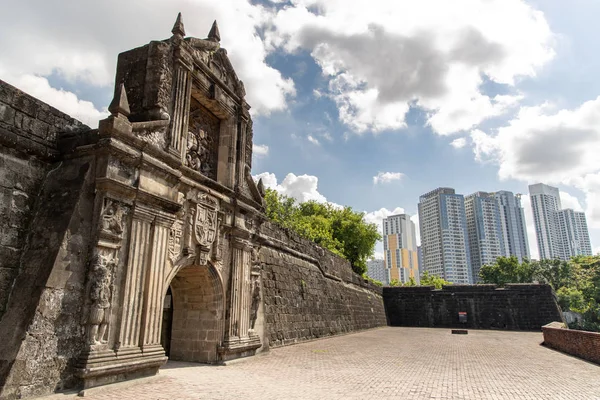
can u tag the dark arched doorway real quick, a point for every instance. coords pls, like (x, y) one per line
(195, 315)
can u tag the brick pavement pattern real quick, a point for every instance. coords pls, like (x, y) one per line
(384, 363)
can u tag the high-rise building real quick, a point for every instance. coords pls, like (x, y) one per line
(484, 228)
(400, 248)
(376, 270)
(444, 239)
(560, 233)
(575, 239)
(545, 203)
(514, 230)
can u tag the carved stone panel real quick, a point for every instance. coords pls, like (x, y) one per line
(202, 140)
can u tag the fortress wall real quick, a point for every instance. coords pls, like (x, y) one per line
(515, 307)
(311, 293)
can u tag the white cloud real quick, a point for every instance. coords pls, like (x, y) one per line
(67, 102)
(387, 177)
(376, 217)
(260, 150)
(552, 146)
(302, 188)
(569, 201)
(459, 143)
(381, 57)
(76, 45)
(313, 140)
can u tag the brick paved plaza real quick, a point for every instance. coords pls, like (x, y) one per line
(386, 363)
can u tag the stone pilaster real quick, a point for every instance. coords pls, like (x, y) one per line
(238, 341)
(181, 105)
(139, 245)
(155, 282)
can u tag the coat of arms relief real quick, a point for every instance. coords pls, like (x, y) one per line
(194, 236)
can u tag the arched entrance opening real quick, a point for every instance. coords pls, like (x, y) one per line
(196, 315)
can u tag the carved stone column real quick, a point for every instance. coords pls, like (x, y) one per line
(154, 289)
(182, 87)
(240, 340)
(139, 245)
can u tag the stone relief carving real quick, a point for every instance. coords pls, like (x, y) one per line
(255, 303)
(100, 296)
(255, 268)
(112, 218)
(205, 225)
(202, 140)
(175, 240)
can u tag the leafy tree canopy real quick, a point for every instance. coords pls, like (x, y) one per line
(340, 230)
(576, 282)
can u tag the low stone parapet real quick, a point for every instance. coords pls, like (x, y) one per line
(581, 344)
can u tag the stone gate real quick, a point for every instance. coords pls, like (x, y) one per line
(148, 233)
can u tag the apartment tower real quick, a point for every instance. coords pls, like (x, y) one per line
(484, 228)
(514, 229)
(444, 240)
(400, 248)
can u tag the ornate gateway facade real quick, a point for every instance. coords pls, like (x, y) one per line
(177, 215)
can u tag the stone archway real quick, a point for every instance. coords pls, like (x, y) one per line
(197, 314)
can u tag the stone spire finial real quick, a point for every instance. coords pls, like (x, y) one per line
(214, 34)
(119, 105)
(261, 187)
(178, 28)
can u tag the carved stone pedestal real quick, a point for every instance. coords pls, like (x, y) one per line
(101, 367)
(232, 349)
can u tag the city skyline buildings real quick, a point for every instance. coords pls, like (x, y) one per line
(496, 226)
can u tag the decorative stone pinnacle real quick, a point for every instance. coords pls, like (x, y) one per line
(119, 105)
(178, 28)
(214, 34)
(261, 187)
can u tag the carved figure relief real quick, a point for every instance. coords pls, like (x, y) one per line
(202, 140)
(100, 296)
(255, 303)
(255, 268)
(112, 218)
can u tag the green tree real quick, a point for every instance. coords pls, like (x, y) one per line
(508, 270)
(433, 280)
(342, 231)
(557, 273)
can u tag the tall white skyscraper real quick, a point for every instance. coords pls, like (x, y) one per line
(400, 248)
(545, 203)
(444, 241)
(484, 227)
(560, 233)
(575, 239)
(514, 230)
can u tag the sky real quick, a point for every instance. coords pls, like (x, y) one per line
(363, 103)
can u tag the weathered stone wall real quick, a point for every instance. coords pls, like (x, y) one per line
(581, 344)
(514, 307)
(42, 246)
(311, 293)
(28, 130)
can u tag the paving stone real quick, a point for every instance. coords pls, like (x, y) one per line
(384, 363)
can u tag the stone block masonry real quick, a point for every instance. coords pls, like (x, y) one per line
(514, 307)
(311, 293)
(581, 344)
